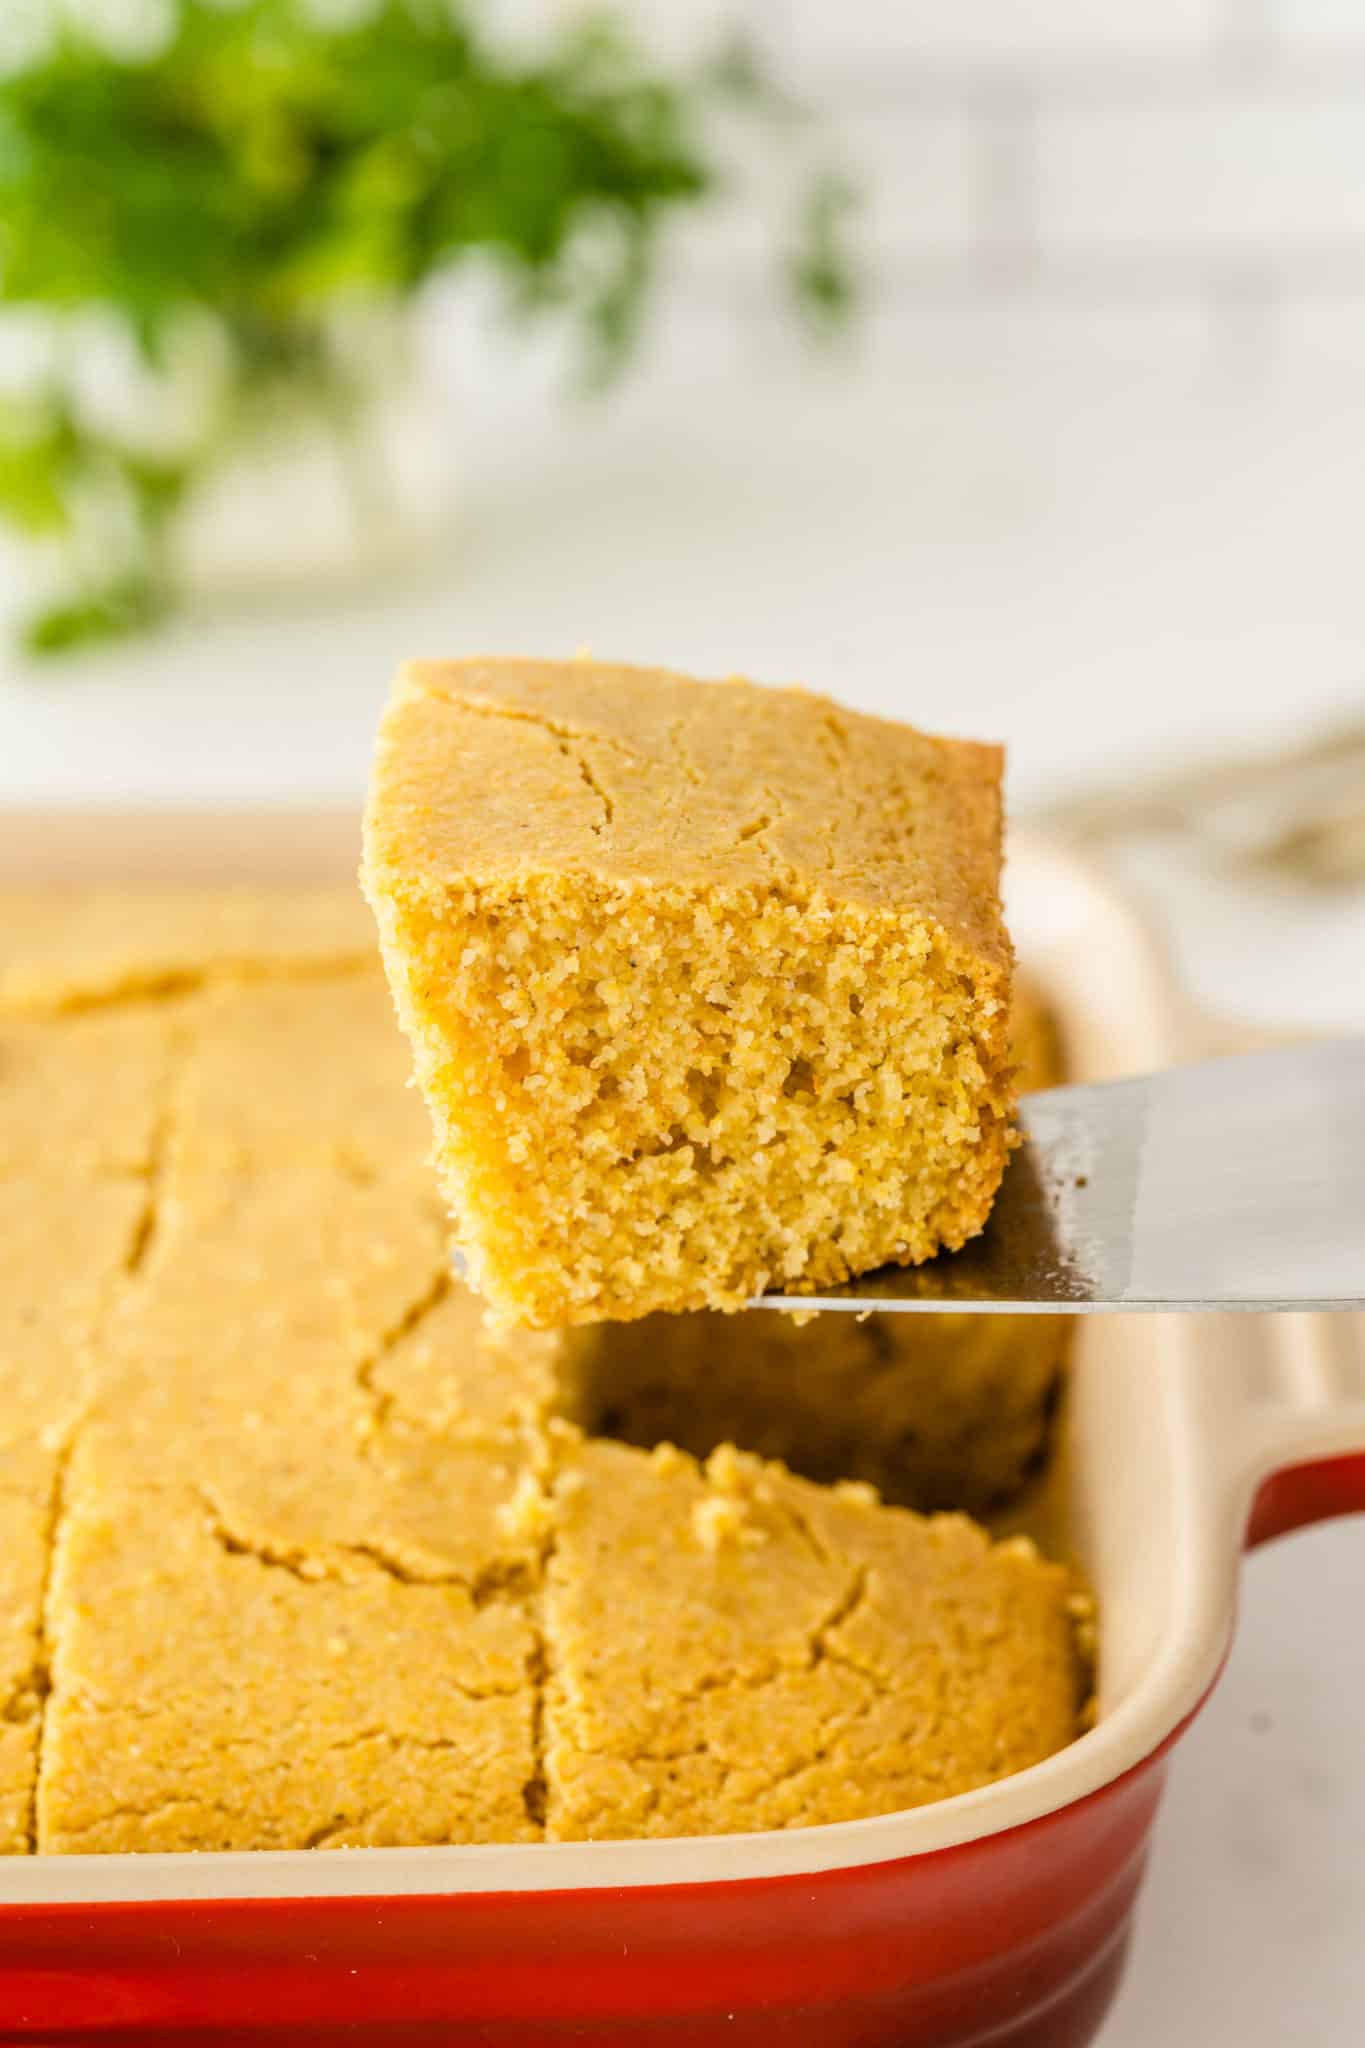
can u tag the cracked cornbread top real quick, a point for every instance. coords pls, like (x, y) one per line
(707, 985)
(293, 1552)
(496, 767)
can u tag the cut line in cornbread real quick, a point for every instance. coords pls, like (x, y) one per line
(707, 985)
(81, 948)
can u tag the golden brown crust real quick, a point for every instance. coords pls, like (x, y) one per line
(732, 1648)
(74, 948)
(212, 1692)
(499, 768)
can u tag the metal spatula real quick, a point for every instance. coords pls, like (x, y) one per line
(1231, 1184)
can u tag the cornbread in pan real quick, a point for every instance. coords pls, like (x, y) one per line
(209, 1692)
(934, 1410)
(707, 985)
(24, 1548)
(66, 948)
(286, 1599)
(731, 1648)
(1035, 1042)
(697, 1651)
(295, 1551)
(79, 1099)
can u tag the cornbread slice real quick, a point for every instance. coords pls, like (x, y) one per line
(707, 985)
(208, 1696)
(292, 1335)
(733, 1649)
(290, 1599)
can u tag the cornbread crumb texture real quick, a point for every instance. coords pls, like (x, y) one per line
(276, 1507)
(707, 985)
(735, 1648)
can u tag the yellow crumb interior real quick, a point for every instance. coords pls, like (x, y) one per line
(650, 1099)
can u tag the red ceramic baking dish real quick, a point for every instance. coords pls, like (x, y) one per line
(999, 1918)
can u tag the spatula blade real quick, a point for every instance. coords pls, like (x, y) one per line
(1233, 1184)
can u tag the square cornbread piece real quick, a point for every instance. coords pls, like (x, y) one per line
(707, 985)
(730, 1648)
(208, 1693)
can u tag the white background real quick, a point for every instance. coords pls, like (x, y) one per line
(1093, 481)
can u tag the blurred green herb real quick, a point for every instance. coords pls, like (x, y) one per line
(268, 165)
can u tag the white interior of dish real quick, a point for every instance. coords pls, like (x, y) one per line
(1171, 1423)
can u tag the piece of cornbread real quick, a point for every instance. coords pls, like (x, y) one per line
(707, 985)
(730, 1648)
(209, 1693)
(81, 1100)
(290, 1576)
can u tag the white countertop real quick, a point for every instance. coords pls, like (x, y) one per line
(1106, 563)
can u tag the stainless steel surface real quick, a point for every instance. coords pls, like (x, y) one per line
(1228, 1184)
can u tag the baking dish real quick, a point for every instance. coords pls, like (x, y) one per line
(1000, 1917)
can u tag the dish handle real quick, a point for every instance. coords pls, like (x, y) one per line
(1314, 1469)
(1296, 1495)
